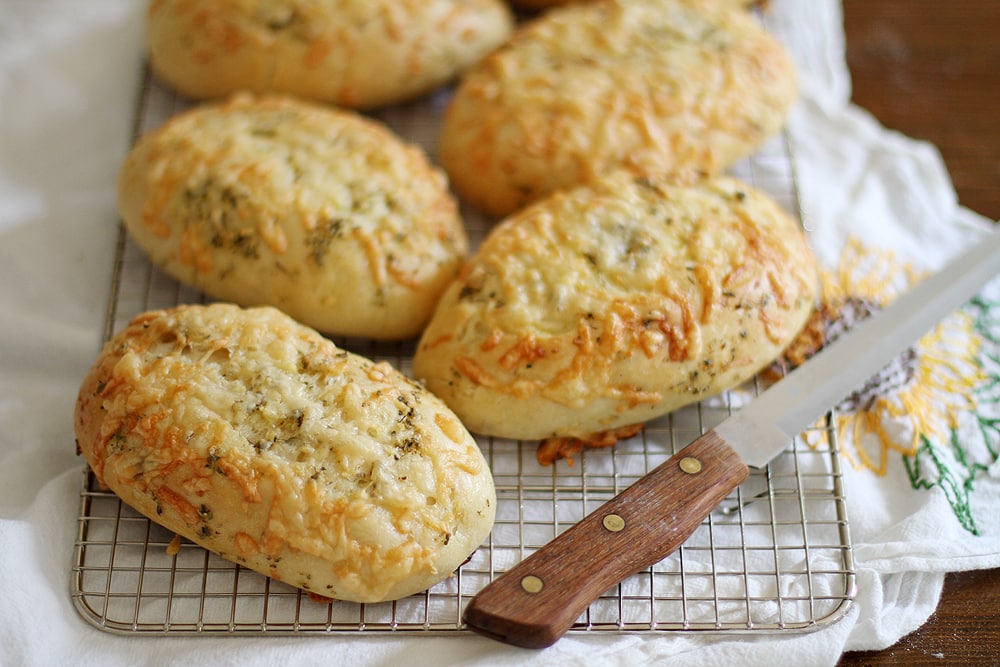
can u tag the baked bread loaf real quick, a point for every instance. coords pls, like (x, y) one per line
(260, 440)
(654, 86)
(540, 4)
(612, 303)
(544, 4)
(319, 212)
(351, 54)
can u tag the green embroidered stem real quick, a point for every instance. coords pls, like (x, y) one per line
(956, 491)
(987, 325)
(987, 320)
(955, 475)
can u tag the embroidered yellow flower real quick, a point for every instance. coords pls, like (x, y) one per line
(921, 393)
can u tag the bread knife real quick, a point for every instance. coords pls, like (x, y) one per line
(537, 601)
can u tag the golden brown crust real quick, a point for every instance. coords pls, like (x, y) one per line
(322, 213)
(655, 86)
(352, 54)
(262, 441)
(551, 450)
(613, 303)
(545, 4)
(541, 4)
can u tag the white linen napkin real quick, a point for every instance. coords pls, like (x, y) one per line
(69, 73)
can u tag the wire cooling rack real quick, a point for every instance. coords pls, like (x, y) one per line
(775, 556)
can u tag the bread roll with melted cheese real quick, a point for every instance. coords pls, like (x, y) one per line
(359, 54)
(544, 4)
(260, 440)
(654, 86)
(610, 304)
(322, 213)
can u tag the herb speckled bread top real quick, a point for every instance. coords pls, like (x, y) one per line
(259, 439)
(322, 213)
(655, 86)
(613, 303)
(543, 4)
(352, 53)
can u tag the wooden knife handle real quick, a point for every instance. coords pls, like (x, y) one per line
(536, 602)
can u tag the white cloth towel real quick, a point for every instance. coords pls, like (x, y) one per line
(69, 75)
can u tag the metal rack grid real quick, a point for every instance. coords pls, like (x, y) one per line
(775, 556)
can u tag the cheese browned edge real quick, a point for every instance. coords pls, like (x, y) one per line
(323, 213)
(357, 55)
(610, 304)
(653, 86)
(262, 441)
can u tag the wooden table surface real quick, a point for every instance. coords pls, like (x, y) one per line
(931, 70)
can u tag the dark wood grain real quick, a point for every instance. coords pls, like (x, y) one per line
(931, 70)
(652, 518)
(963, 631)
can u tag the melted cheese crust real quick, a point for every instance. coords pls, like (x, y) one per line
(614, 303)
(351, 53)
(262, 441)
(655, 86)
(321, 213)
(543, 4)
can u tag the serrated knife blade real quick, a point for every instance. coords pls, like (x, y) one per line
(537, 601)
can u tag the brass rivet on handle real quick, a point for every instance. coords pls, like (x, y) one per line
(690, 465)
(614, 523)
(532, 584)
